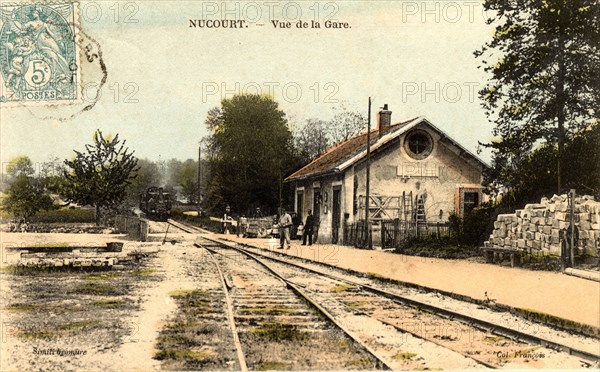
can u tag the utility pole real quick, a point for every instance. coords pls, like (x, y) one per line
(199, 178)
(572, 228)
(367, 232)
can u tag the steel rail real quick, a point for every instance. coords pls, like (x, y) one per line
(230, 316)
(481, 324)
(415, 334)
(296, 289)
(471, 321)
(187, 228)
(484, 363)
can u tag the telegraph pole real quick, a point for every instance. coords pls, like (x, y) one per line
(199, 177)
(369, 240)
(571, 198)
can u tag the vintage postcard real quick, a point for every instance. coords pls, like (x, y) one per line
(299, 185)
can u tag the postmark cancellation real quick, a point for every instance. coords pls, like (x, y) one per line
(39, 54)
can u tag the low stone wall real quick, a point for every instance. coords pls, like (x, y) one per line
(538, 228)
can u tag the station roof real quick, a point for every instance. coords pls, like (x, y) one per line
(349, 152)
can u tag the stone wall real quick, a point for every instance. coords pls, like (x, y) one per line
(136, 228)
(537, 227)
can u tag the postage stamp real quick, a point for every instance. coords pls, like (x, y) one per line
(39, 54)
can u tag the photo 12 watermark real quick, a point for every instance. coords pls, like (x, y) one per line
(290, 91)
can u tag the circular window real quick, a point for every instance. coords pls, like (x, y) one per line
(418, 144)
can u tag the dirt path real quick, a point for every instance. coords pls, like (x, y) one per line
(136, 354)
(136, 351)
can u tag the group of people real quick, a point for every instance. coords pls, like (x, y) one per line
(285, 225)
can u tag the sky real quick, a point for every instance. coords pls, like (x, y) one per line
(162, 76)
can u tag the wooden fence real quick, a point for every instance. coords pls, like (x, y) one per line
(392, 233)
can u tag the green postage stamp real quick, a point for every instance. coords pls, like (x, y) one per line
(39, 55)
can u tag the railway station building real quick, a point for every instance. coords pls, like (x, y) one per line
(417, 174)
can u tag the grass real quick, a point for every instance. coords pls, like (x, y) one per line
(273, 310)
(182, 354)
(72, 215)
(551, 319)
(94, 278)
(186, 292)
(403, 355)
(343, 344)
(270, 365)
(342, 288)
(98, 289)
(360, 364)
(109, 303)
(36, 335)
(22, 307)
(278, 332)
(79, 324)
(493, 339)
(357, 304)
(376, 276)
(183, 325)
(142, 273)
(191, 298)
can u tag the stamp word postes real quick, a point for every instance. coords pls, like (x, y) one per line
(39, 55)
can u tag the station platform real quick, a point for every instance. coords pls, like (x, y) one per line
(564, 296)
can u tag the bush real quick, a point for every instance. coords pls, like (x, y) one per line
(70, 215)
(475, 226)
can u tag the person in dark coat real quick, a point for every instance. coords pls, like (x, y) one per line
(308, 228)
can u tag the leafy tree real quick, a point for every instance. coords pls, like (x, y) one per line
(147, 174)
(187, 179)
(20, 165)
(582, 155)
(100, 175)
(249, 151)
(533, 176)
(26, 195)
(52, 175)
(544, 62)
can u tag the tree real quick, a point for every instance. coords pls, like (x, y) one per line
(346, 124)
(99, 176)
(20, 165)
(544, 87)
(313, 139)
(187, 180)
(250, 151)
(147, 174)
(533, 176)
(26, 194)
(316, 135)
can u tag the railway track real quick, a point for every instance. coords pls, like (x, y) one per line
(392, 309)
(266, 305)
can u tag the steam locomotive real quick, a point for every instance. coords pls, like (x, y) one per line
(155, 203)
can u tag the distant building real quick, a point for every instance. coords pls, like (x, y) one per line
(417, 172)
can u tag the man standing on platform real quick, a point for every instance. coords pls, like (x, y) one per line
(308, 228)
(285, 222)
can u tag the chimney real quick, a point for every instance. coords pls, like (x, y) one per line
(384, 120)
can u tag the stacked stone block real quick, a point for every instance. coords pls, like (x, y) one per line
(537, 227)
